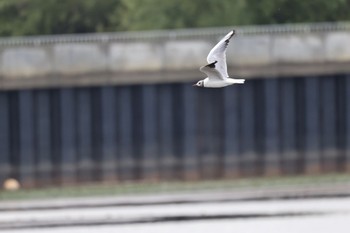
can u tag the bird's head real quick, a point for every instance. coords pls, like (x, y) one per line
(199, 84)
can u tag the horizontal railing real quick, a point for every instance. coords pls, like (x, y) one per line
(173, 34)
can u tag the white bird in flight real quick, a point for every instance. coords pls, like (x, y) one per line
(216, 70)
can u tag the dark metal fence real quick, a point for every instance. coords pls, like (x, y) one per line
(174, 131)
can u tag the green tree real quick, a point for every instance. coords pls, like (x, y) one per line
(32, 17)
(296, 11)
(29, 17)
(160, 14)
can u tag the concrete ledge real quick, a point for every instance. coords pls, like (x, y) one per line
(147, 77)
(239, 195)
(173, 56)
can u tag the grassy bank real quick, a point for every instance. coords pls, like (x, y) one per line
(141, 188)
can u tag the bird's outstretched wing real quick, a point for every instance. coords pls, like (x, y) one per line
(218, 53)
(211, 71)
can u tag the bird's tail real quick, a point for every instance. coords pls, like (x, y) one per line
(239, 81)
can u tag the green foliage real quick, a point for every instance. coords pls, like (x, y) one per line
(296, 11)
(32, 17)
(160, 14)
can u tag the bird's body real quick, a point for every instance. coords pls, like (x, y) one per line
(216, 70)
(221, 83)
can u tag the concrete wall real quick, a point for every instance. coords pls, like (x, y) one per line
(171, 56)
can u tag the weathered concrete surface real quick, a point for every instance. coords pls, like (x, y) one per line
(337, 47)
(135, 57)
(64, 219)
(252, 50)
(23, 62)
(298, 49)
(170, 56)
(72, 59)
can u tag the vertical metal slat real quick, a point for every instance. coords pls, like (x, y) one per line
(26, 145)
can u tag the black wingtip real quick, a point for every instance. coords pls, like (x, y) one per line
(212, 65)
(228, 39)
(233, 32)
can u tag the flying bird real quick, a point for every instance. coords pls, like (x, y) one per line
(216, 70)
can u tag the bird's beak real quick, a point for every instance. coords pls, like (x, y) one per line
(194, 85)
